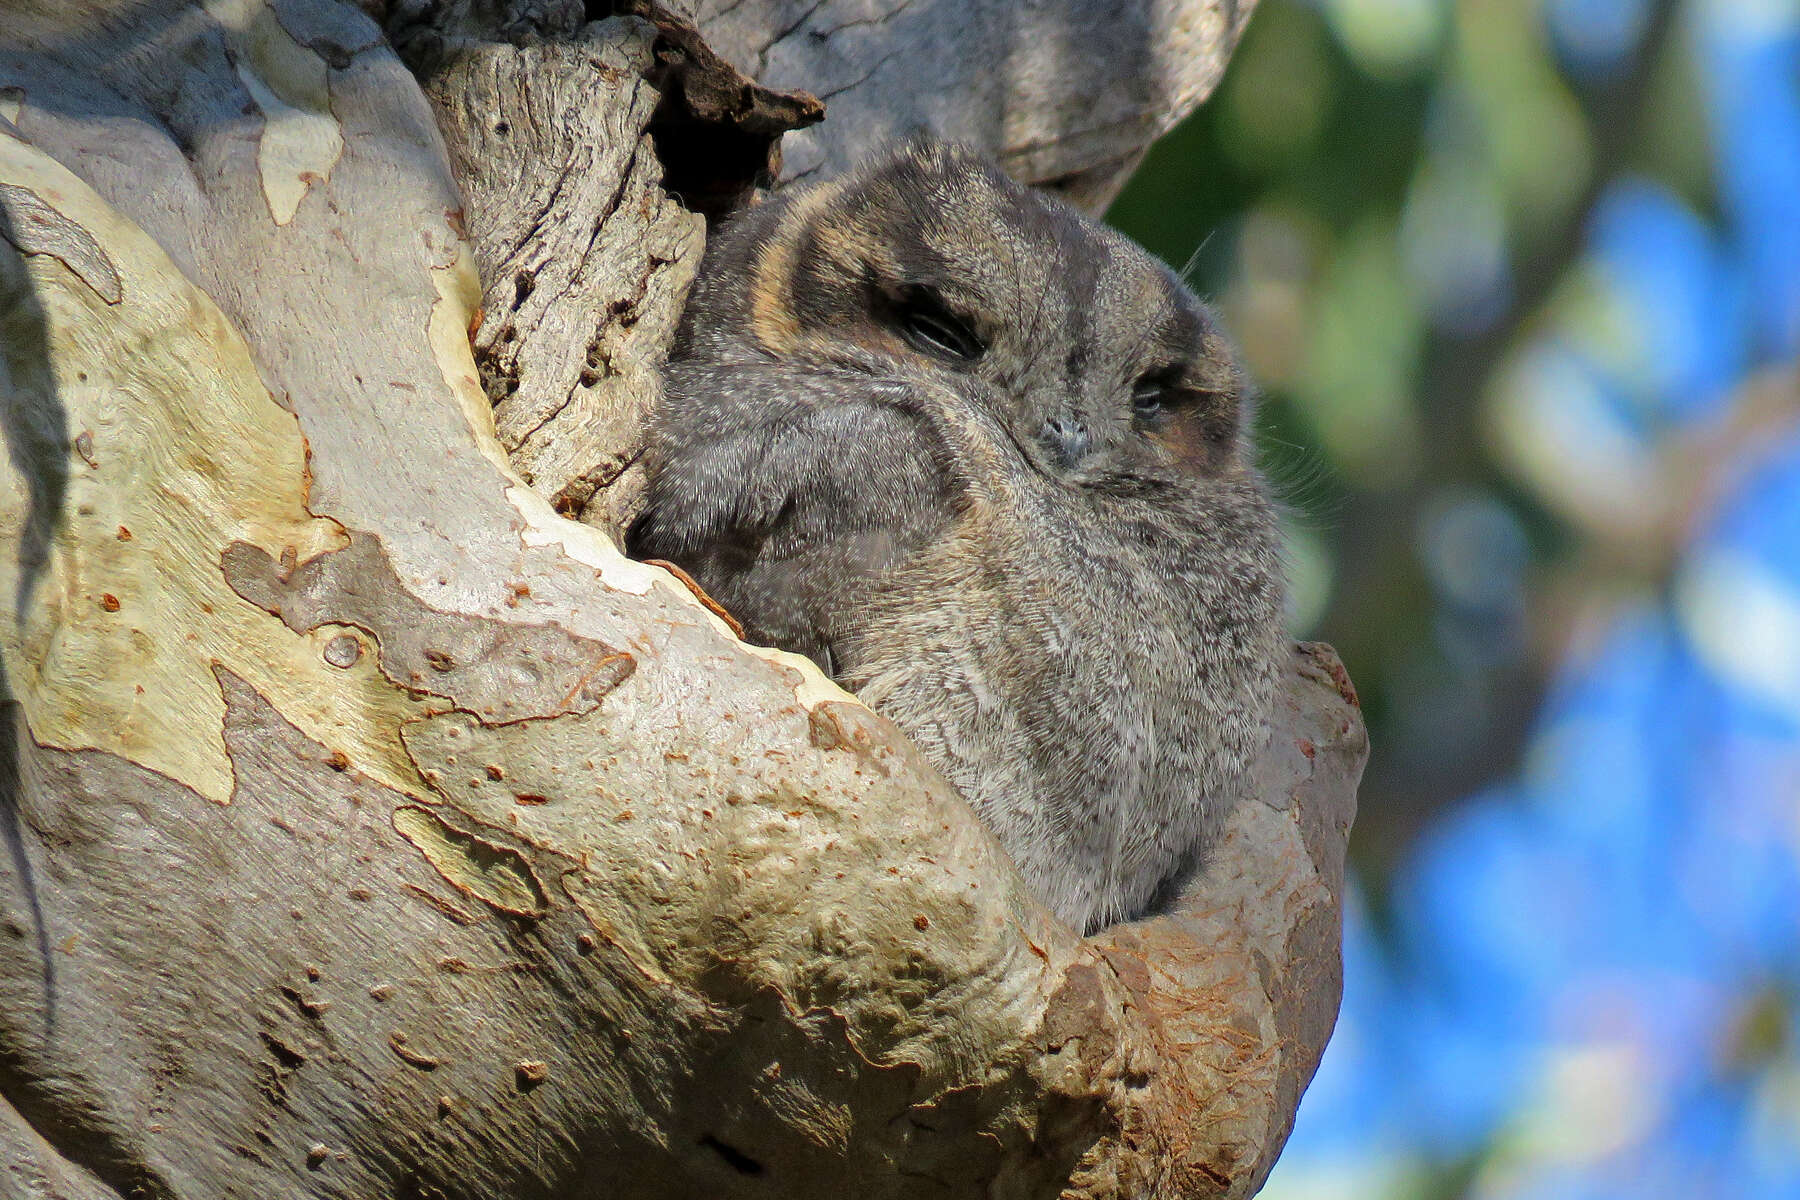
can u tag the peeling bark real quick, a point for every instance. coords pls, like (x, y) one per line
(374, 830)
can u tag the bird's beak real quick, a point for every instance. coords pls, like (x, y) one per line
(1067, 439)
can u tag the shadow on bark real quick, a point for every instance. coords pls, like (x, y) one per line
(36, 429)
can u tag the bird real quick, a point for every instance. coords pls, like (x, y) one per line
(989, 464)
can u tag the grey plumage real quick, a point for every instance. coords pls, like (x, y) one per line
(985, 460)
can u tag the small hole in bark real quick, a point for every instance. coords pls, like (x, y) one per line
(736, 1159)
(502, 128)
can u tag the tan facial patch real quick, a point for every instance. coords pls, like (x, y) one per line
(772, 316)
(1201, 436)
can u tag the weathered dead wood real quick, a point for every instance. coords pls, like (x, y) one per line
(585, 258)
(378, 832)
(567, 152)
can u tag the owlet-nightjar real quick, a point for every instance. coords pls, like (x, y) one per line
(985, 461)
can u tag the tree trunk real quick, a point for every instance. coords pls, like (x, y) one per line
(374, 830)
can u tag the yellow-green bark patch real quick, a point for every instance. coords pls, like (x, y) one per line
(143, 443)
(497, 874)
(300, 140)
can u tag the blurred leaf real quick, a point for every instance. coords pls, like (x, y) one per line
(1388, 38)
(1520, 114)
(1356, 387)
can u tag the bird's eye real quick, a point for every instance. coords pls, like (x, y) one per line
(1151, 399)
(931, 328)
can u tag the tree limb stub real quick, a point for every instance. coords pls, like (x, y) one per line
(391, 834)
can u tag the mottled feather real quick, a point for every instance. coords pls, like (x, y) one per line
(985, 461)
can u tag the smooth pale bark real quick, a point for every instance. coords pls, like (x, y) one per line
(1066, 94)
(373, 830)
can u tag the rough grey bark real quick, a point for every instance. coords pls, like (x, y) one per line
(585, 254)
(371, 830)
(585, 258)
